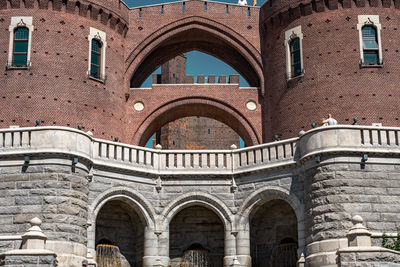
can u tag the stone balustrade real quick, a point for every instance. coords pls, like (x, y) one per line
(330, 139)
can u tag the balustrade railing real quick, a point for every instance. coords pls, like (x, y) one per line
(192, 162)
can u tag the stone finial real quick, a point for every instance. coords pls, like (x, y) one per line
(233, 146)
(235, 263)
(359, 236)
(302, 261)
(158, 147)
(34, 238)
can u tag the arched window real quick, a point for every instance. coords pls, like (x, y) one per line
(295, 57)
(95, 59)
(20, 48)
(370, 45)
(294, 53)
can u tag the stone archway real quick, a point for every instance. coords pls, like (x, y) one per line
(196, 231)
(119, 226)
(273, 235)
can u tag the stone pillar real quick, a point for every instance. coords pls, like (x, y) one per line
(91, 245)
(33, 252)
(243, 247)
(229, 247)
(155, 248)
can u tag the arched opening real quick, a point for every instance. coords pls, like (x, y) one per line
(196, 237)
(200, 38)
(195, 133)
(119, 235)
(273, 235)
(182, 108)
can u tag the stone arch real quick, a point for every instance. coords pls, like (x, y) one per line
(134, 198)
(200, 199)
(267, 193)
(203, 107)
(200, 34)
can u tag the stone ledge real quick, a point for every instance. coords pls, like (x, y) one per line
(28, 252)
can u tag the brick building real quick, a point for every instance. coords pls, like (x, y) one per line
(74, 156)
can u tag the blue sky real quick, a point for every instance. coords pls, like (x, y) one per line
(136, 3)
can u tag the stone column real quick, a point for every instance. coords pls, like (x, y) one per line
(155, 248)
(229, 247)
(91, 244)
(243, 247)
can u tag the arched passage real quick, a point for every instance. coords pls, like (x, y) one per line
(196, 107)
(195, 33)
(275, 219)
(120, 217)
(198, 220)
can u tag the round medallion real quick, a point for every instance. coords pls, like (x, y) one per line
(139, 106)
(251, 105)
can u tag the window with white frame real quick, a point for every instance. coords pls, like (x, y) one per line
(294, 52)
(19, 52)
(369, 30)
(97, 54)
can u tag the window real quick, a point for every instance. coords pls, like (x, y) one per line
(20, 49)
(20, 42)
(295, 57)
(370, 45)
(95, 59)
(294, 51)
(97, 55)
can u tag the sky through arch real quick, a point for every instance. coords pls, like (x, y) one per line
(137, 3)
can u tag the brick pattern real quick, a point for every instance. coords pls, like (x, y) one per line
(56, 89)
(333, 81)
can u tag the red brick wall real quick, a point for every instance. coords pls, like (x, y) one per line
(56, 89)
(333, 81)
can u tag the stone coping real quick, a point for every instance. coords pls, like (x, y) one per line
(366, 249)
(28, 252)
(10, 237)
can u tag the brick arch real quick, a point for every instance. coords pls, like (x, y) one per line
(196, 107)
(195, 33)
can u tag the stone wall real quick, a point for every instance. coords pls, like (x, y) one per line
(55, 192)
(28, 260)
(372, 257)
